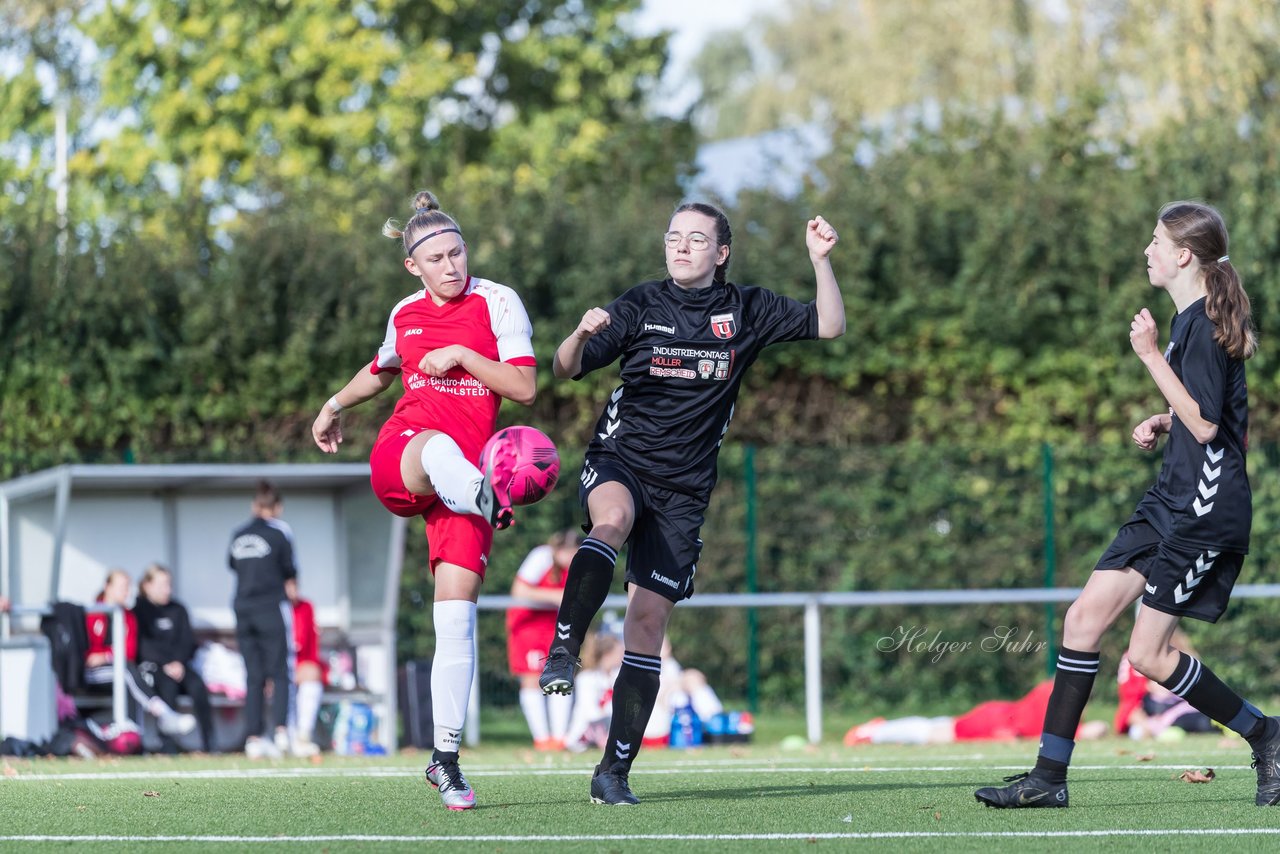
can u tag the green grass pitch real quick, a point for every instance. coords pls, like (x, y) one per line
(1124, 795)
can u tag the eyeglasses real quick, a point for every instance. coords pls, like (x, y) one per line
(698, 241)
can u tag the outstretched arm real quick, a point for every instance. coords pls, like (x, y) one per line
(821, 238)
(365, 385)
(568, 360)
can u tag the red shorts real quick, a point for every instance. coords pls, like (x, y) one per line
(528, 642)
(459, 538)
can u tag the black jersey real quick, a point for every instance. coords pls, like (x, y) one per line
(164, 632)
(1202, 496)
(684, 353)
(261, 554)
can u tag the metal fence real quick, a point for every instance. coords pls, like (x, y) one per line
(811, 605)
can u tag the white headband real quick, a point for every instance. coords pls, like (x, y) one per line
(1224, 259)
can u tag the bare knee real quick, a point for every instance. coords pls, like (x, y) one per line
(1083, 627)
(1154, 661)
(613, 524)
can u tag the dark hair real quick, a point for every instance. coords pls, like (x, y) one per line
(1201, 229)
(724, 235)
(569, 537)
(427, 216)
(266, 494)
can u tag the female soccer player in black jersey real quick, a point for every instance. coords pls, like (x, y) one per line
(684, 344)
(1183, 547)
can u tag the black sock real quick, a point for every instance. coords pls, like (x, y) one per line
(634, 693)
(1072, 685)
(1200, 687)
(585, 588)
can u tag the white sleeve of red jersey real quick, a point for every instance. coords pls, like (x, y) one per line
(510, 324)
(536, 565)
(388, 359)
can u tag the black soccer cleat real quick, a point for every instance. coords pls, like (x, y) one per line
(1028, 790)
(610, 787)
(558, 672)
(1266, 759)
(494, 497)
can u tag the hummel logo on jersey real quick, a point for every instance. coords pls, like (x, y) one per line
(622, 751)
(662, 579)
(1168, 350)
(658, 327)
(723, 325)
(562, 631)
(409, 332)
(1151, 588)
(1206, 487)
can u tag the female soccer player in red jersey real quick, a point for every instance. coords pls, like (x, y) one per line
(459, 345)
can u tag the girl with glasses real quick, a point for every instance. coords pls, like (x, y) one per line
(683, 344)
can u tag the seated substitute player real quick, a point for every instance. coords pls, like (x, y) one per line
(460, 345)
(685, 344)
(1147, 709)
(540, 578)
(166, 647)
(1182, 549)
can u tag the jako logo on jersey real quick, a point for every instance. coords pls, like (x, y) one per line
(662, 579)
(409, 332)
(722, 325)
(658, 327)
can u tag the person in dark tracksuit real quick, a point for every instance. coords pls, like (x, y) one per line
(166, 646)
(261, 555)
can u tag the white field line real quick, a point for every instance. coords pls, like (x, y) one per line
(380, 772)
(659, 837)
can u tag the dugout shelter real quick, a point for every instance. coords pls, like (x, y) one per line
(63, 528)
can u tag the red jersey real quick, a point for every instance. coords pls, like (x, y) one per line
(537, 570)
(306, 637)
(486, 317)
(99, 630)
(1001, 719)
(1133, 687)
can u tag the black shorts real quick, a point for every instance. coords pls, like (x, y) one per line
(1185, 581)
(664, 543)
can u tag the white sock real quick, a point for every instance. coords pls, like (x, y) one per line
(452, 669)
(705, 703)
(559, 710)
(159, 708)
(309, 694)
(452, 475)
(534, 705)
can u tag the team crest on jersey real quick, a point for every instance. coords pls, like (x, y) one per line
(723, 325)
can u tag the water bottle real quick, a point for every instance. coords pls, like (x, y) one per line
(686, 728)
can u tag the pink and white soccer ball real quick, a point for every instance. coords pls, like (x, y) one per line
(537, 463)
